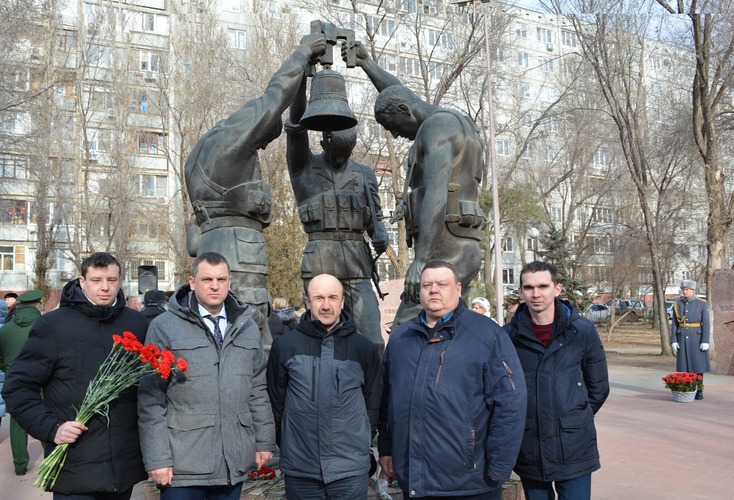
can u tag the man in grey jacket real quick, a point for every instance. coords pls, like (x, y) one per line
(203, 431)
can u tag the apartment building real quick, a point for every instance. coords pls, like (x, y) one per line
(108, 136)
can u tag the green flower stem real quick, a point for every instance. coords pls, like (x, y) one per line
(119, 371)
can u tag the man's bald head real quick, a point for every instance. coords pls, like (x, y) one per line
(325, 300)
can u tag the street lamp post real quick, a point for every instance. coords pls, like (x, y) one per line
(534, 235)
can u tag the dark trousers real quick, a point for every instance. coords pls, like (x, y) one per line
(125, 495)
(349, 488)
(19, 446)
(578, 488)
(202, 492)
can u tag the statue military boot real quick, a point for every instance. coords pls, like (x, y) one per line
(699, 394)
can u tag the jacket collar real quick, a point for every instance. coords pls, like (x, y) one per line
(73, 296)
(314, 328)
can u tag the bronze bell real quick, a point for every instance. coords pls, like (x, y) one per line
(328, 109)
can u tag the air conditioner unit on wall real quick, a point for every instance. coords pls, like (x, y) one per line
(65, 275)
(111, 113)
(150, 76)
(550, 47)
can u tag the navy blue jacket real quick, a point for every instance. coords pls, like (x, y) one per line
(453, 407)
(567, 384)
(325, 389)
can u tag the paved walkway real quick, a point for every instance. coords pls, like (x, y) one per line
(651, 448)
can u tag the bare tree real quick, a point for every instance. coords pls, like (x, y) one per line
(712, 39)
(615, 44)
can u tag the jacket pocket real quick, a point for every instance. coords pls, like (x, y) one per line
(578, 437)
(245, 443)
(192, 439)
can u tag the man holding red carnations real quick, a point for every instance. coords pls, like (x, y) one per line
(202, 432)
(49, 378)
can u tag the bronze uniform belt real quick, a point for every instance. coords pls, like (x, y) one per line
(335, 236)
(690, 325)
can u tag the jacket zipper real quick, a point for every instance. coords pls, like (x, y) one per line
(313, 380)
(440, 365)
(509, 374)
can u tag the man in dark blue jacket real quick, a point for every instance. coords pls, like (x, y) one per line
(454, 402)
(566, 372)
(325, 386)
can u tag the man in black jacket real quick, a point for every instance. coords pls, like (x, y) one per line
(325, 385)
(566, 372)
(47, 381)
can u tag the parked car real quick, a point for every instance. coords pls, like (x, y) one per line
(669, 309)
(639, 309)
(598, 313)
(621, 306)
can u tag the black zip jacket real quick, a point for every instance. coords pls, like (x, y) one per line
(325, 390)
(48, 380)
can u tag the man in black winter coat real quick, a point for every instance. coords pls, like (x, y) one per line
(47, 381)
(566, 373)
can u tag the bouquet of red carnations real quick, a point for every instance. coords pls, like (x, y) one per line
(127, 363)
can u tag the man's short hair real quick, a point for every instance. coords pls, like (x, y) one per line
(437, 264)
(538, 267)
(99, 259)
(211, 258)
(393, 96)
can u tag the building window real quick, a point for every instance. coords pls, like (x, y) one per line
(603, 245)
(410, 66)
(389, 62)
(521, 30)
(152, 143)
(569, 38)
(231, 5)
(503, 147)
(602, 215)
(546, 64)
(544, 35)
(13, 166)
(547, 94)
(409, 5)
(507, 244)
(148, 22)
(13, 212)
(523, 59)
(66, 41)
(237, 39)
(11, 258)
(149, 61)
(151, 185)
(508, 276)
(445, 40)
(98, 56)
(524, 89)
(139, 102)
(601, 159)
(429, 7)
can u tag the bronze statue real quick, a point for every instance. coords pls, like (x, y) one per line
(338, 202)
(442, 213)
(230, 200)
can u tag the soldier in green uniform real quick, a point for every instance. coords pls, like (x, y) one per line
(12, 337)
(689, 337)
